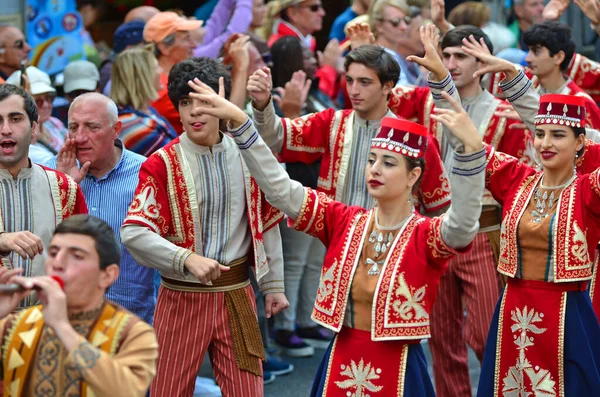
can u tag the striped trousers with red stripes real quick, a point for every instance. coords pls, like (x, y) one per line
(471, 282)
(188, 324)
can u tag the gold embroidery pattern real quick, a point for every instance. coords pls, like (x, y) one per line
(437, 245)
(331, 311)
(326, 283)
(541, 380)
(360, 380)
(569, 240)
(148, 202)
(411, 307)
(383, 328)
(295, 134)
(507, 263)
(326, 183)
(579, 248)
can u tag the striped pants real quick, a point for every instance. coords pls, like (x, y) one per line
(188, 324)
(472, 282)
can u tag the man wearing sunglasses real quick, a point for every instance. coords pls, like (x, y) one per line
(302, 18)
(13, 49)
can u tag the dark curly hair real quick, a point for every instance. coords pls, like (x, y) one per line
(555, 36)
(207, 70)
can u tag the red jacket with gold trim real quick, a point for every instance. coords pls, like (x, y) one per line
(576, 230)
(416, 104)
(162, 203)
(71, 197)
(328, 135)
(407, 286)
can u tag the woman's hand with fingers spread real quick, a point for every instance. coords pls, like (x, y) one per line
(460, 124)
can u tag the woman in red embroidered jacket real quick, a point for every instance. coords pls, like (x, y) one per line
(383, 265)
(543, 339)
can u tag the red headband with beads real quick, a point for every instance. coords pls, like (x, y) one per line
(401, 136)
(568, 110)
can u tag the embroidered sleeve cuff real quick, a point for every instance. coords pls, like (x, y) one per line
(245, 135)
(515, 88)
(179, 261)
(263, 116)
(271, 287)
(438, 87)
(84, 357)
(470, 164)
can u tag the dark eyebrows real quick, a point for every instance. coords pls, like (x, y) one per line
(553, 130)
(72, 249)
(389, 157)
(16, 113)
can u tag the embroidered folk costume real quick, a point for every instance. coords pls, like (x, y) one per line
(377, 284)
(115, 355)
(340, 139)
(543, 337)
(37, 200)
(471, 282)
(195, 199)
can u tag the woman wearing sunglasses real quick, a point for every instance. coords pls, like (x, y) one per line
(389, 21)
(382, 265)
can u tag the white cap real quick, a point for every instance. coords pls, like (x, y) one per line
(38, 81)
(80, 75)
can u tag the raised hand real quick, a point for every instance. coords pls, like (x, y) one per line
(275, 303)
(431, 60)
(591, 9)
(205, 269)
(493, 64)
(331, 55)
(554, 9)
(9, 302)
(438, 15)
(66, 161)
(360, 34)
(25, 244)
(238, 52)
(460, 124)
(215, 104)
(259, 87)
(507, 111)
(294, 95)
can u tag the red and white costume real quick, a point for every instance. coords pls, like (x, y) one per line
(379, 309)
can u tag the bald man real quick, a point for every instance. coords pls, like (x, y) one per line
(13, 49)
(108, 178)
(141, 13)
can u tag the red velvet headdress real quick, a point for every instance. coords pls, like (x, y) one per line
(401, 136)
(568, 110)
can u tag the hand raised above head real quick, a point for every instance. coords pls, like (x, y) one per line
(259, 87)
(460, 124)
(431, 60)
(360, 34)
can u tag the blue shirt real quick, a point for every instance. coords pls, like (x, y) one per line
(337, 29)
(108, 198)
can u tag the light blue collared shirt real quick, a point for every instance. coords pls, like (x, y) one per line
(108, 198)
